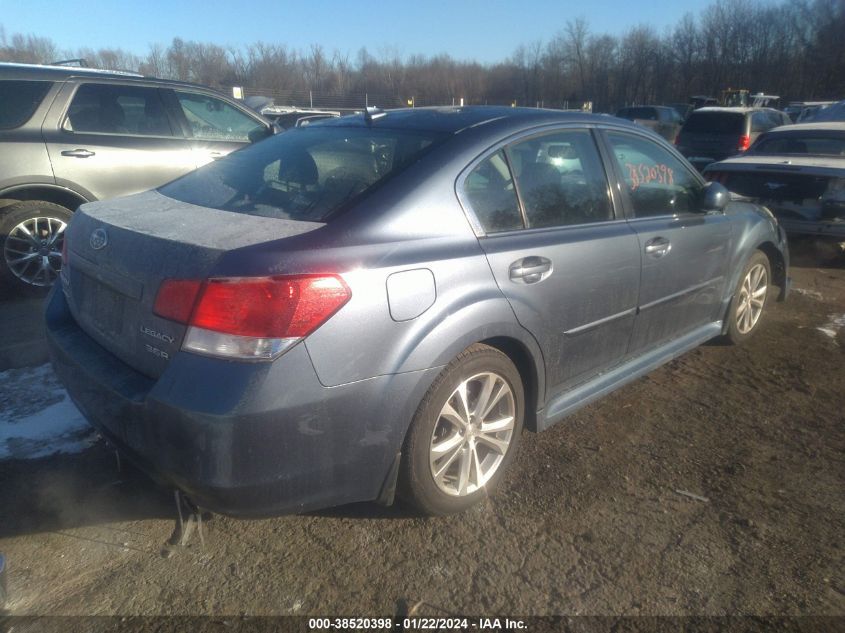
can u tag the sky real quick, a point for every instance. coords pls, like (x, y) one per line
(484, 30)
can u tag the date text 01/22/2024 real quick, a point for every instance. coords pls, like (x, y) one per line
(421, 623)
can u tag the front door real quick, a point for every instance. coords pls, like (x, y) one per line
(684, 250)
(216, 127)
(568, 266)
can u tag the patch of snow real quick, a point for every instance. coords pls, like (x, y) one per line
(37, 418)
(835, 323)
(813, 294)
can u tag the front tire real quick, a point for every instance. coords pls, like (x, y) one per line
(31, 238)
(750, 298)
(465, 433)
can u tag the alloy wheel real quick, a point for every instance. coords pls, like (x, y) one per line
(472, 434)
(752, 298)
(33, 250)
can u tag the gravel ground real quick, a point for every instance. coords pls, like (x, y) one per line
(715, 485)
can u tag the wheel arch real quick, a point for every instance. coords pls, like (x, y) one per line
(529, 370)
(48, 193)
(777, 263)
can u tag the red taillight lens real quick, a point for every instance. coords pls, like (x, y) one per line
(260, 307)
(176, 298)
(744, 142)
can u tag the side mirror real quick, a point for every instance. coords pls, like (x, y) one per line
(260, 133)
(716, 197)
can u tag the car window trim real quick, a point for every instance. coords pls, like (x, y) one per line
(76, 85)
(626, 198)
(518, 137)
(186, 126)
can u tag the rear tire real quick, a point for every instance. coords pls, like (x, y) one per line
(31, 238)
(750, 298)
(464, 435)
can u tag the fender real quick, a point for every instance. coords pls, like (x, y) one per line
(755, 229)
(57, 191)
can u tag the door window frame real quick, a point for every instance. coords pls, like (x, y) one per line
(545, 130)
(172, 100)
(77, 84)
(627, 204)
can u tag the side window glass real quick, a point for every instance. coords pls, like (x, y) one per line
(490, 191)
(114, 109)
(657, 182)
(215, 120)
(561, 180)
(19, 100)
(760, 122)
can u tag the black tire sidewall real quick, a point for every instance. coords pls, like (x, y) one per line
(734, 335)
(10, 217)
(416, 484)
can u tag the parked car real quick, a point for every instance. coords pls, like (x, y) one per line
(662, 119)
(683, 110)
(287, 117)
(74, 135)
(713, 134)
(830, 112)
(797, 171)
(386, 300)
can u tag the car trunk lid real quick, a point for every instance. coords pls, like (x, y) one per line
(803, 188)
(120, 251)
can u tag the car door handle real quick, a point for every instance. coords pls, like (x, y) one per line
(530, 270)
(658, 247)
(78, 153)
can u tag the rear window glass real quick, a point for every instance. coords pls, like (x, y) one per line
(715, 123)
(791, 144)
(18, 101)
(645, 114)
(304, 174)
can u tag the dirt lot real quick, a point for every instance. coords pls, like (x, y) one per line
(593, 519)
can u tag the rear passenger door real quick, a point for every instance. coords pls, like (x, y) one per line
(567, 264)
(113, 139)
(684, 251)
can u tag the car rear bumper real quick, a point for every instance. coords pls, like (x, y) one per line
(239, 438)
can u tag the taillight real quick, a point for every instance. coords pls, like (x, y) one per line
(250, 317)
(744, 143)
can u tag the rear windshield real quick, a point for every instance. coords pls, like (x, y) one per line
(794, 144)
(305, 174)
(645, 114)
(18, 100)
(715, 123)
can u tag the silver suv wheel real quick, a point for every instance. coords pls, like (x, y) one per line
(33, 250)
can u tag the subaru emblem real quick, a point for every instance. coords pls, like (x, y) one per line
(99, 239)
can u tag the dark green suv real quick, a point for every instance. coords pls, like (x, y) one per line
(73, 135)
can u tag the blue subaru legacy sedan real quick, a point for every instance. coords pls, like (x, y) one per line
(377, 305)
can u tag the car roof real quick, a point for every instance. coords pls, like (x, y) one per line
(455, 119)
(47, 72)
(657, 107)
(736, 110)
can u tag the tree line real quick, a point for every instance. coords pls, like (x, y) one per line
(795, 49)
